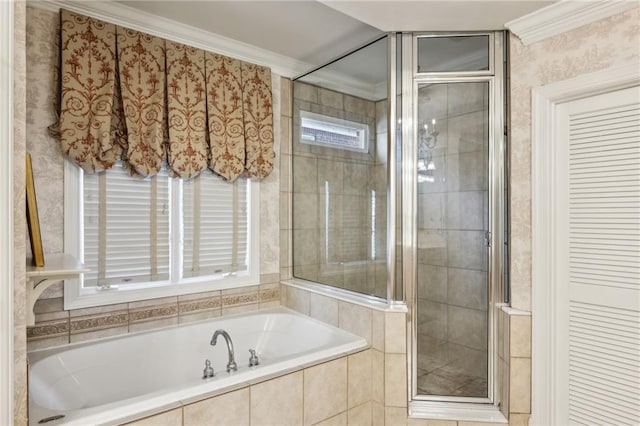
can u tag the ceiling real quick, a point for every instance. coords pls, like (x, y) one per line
(314, 32)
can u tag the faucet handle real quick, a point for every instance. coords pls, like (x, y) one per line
(253, 360)
(208, 370)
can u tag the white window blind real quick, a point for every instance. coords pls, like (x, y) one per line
(128, 234)
(126, 228)
(215, 219)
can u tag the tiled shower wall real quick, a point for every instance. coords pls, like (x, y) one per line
(55, 326)
(452, 254)
(342, 184)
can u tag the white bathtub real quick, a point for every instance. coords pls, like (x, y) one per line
(115, 380)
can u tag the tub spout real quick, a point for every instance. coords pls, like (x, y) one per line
(232, 363)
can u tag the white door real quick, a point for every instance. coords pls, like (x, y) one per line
(597, 285)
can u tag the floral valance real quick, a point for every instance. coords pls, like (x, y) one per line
(132, 97)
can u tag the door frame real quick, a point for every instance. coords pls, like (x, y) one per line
(544, 128)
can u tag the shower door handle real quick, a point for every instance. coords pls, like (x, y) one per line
(487, 238)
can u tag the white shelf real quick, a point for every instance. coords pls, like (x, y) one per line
(57, 267)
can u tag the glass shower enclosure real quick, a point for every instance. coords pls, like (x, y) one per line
(399, 159)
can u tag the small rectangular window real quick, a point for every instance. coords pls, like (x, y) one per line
(323, 130)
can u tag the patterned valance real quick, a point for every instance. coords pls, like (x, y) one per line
(132, 97)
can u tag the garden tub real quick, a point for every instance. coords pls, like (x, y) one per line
(119, 379)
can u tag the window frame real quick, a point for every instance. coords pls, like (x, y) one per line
(77, 296)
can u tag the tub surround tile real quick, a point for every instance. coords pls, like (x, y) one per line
(395, 416)
(395, 333)
(356, 319)
(323, 308)
(233, 310)
(504, 408)
(168, 418)
(49, 329)
(153, 313)
(98, 310)
(240, 296)
(47, 342)
(94, 334)
(269, 293)
(377, 376)
(199, 316)
(359, 381)
(153, 302)
(520, 385)
(198, 296)
(520, 336)
(152, 324)
(377, 330)
(519, 419)
(200, 304)
(228, 409)
(361, 415)
(339, 420)
(377, 414)
(278, 401)
(100, 321)
(326, 386)
(298, 300)
(273, 304)
(395, 380)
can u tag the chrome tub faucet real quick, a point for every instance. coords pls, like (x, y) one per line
(231, 365)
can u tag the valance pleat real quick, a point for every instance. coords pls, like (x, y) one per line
(88, 88)
(258, 120)
(132, 97)
(188, 150)
(226, 122)
(141, 65)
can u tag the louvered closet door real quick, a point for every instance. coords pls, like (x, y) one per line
(597, 362)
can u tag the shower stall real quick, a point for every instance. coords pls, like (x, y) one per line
(399, 165)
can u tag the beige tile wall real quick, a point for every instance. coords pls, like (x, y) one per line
(55, 326)
(332, 393)
(381, 372)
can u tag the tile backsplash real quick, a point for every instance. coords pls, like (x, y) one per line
(55, 327)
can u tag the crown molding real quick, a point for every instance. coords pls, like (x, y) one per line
(563, 16)
(169, 29)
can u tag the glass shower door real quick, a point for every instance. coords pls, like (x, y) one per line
(452, 224)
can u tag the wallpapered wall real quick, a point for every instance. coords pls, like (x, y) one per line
(610, 42)
(19, 217)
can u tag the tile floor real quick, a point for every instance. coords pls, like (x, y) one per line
(448, 369)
